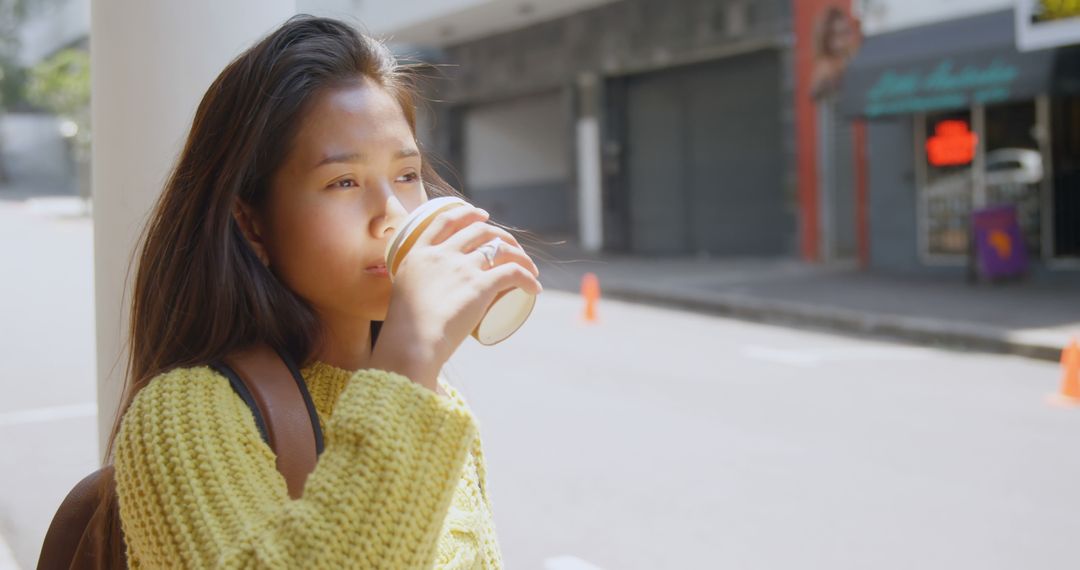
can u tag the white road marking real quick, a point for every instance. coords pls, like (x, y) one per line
(780, 356)
(811, 357)
(568, 563)
(51, 414)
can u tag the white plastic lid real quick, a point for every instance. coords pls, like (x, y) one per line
(418, 215)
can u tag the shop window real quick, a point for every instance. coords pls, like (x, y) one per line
(1008, 143)
(1066, 189)
(1014, 166)
(946, 196)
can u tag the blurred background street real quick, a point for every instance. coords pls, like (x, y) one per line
(657, 439)
(837, 244)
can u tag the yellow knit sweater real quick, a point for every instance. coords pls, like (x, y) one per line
(400, 482)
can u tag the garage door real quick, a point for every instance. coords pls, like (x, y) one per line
(517, 161)
(704, 159)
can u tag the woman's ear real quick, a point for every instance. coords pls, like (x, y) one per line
(248, 221)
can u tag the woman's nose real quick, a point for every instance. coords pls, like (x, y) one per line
(392, 216)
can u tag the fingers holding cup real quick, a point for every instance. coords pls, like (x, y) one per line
(480, 234)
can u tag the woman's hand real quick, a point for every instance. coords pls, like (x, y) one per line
(442, 289)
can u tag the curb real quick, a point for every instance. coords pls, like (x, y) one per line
(920, 330)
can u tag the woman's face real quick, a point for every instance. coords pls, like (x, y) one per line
(350, 179)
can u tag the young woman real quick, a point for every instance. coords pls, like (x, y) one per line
(301, 163)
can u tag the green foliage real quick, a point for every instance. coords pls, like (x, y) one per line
(11, 15)
(12, 84)
(61, 84)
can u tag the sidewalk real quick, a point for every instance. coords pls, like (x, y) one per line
(48, 418)
(1033, 319)
(7, 559)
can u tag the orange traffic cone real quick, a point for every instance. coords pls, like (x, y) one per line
(590, 291)
(1070, 379)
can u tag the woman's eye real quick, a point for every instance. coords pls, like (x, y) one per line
(344, 183)
(410, 177)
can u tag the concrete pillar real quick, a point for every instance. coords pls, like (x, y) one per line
(151, 63)
(589, 177)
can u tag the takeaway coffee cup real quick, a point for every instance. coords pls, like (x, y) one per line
(507, 312)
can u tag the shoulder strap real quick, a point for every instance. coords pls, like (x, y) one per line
(85, 533)
(271, 385)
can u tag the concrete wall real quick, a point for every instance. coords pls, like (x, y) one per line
(515, 142)
(517, 161)
(880, 16)
(619, 39)
(623, 37)
(148, 79)
(432, 23)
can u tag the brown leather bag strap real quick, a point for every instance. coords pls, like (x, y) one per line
(85, 532)
(289, 421)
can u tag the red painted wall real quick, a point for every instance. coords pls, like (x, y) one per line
(806, 14)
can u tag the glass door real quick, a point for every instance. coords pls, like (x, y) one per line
(1064, 215)
(947, 153)
(1014, 171)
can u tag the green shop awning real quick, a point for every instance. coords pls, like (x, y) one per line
(947, 65)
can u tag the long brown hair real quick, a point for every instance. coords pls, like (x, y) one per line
(200, 291)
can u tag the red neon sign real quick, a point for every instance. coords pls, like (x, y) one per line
(952, 144)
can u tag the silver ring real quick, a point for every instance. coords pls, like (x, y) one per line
(490, 250)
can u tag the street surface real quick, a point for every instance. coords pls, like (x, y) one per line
(663, 439)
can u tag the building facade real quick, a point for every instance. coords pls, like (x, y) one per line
(653, 127)
(961, 124)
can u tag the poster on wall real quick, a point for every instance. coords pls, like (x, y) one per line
(1042, 24)
(835, 42)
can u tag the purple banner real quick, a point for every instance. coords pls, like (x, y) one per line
(999, 247)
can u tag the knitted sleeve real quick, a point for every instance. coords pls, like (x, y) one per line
(198, 487)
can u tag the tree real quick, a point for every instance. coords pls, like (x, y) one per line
(61, 84)
(12, 13)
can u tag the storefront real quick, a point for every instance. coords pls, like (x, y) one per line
(988, 126)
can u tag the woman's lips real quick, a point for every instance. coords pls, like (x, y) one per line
(377, 270)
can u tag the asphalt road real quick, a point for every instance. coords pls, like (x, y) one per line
(662, 439)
